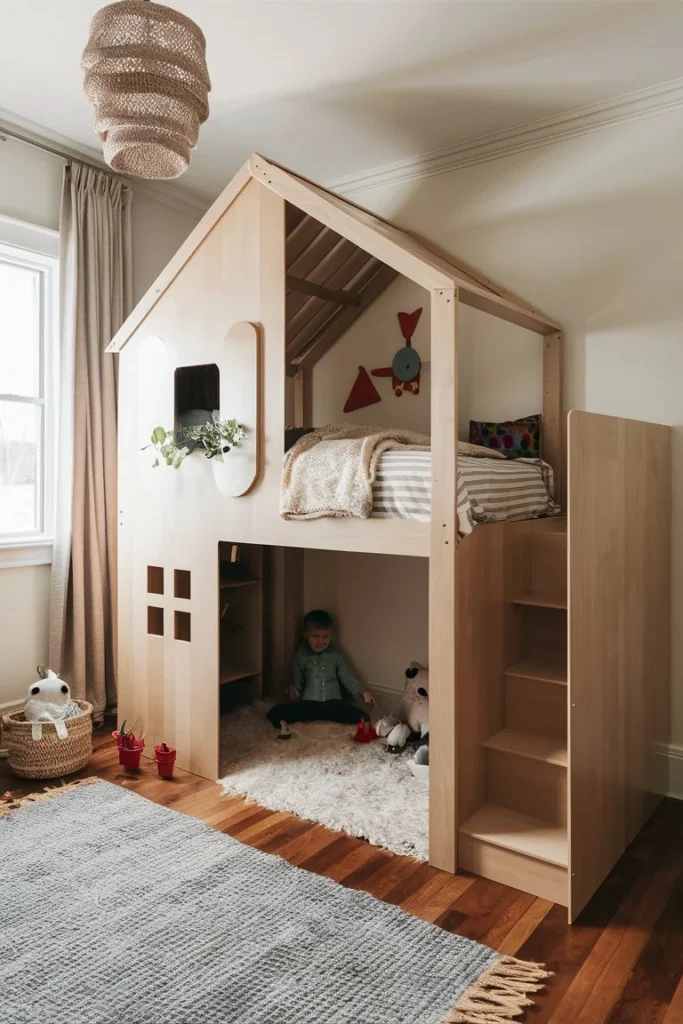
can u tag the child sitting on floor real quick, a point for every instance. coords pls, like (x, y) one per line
(320, 673)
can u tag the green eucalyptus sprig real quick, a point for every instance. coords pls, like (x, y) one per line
(216, 437)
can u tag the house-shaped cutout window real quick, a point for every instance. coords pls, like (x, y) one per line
(197, 394)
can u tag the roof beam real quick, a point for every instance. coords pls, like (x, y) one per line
(384, 242)
(340, 321)
(353, 275)
(396, 247)
(298, 284)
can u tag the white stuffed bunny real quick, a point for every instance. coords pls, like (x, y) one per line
(413, 714)
(49, 700)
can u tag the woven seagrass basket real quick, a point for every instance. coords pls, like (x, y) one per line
(48, 757)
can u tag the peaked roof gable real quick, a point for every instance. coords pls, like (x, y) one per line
(399, 250)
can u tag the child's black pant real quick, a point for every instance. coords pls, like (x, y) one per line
(315, 711)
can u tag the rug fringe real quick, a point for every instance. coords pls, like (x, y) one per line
(9, 803)
(501, 994)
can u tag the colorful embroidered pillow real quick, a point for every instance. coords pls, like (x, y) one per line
(518, 439)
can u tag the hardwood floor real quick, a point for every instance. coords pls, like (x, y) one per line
(620, 963)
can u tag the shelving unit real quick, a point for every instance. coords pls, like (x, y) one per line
(240, 581)
(514, 826)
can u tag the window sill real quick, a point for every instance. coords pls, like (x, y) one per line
(17, 553)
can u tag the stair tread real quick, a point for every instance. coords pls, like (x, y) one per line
(542, 600)
(534, 668)
(527, 744)
(512, 830)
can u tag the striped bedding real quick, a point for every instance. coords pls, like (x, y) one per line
(489, 490)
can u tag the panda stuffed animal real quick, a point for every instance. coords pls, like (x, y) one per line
(413, 714)
(49, 700)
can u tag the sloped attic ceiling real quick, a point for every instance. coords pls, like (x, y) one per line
(330, 282)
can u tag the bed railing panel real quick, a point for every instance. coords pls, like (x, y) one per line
(619, 635)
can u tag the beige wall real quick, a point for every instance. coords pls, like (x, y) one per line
(30, 187)
(590, 230)
(380, 607)
(490, 352)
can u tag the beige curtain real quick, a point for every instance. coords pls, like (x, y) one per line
(96, 296)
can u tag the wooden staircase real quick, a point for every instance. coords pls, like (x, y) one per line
(519, 835)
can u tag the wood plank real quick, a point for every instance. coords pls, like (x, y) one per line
(619, 628)
(522, 929)
(535, 788)
(600, 981)
(303, 398)
(377, 281)
(384, 242)
(313, 314)
(533, 705)
(549, 564)
(298, 284)
(392, 246)
(308, 243)
(511, 830)
(195, 239)
(541, 669)
(542, 600)
(553, 427)
(443, 584)
(320, 271)
(511, 868)
(538, 748)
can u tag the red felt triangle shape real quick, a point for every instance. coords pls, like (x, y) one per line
(362, 393)
(408, 322)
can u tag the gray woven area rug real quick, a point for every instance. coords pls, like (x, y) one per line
(116, 911)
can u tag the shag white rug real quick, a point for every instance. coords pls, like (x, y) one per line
(322, 775)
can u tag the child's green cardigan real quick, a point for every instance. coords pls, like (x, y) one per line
(321, 676)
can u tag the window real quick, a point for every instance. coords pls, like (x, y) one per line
(28, 367)
(197, 393)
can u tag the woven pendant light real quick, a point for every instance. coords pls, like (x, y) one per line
(146, 77)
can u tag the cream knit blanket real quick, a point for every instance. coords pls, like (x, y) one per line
(330, 471)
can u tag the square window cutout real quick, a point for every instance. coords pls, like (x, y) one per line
(155, 620)
(182, 584)
(182, 629)
(155, 579)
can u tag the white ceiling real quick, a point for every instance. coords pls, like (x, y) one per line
(335, 88)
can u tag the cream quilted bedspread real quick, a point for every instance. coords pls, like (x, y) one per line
(330, 471)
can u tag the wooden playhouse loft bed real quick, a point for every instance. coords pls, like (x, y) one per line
(548, 639)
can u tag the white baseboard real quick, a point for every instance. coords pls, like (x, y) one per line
(11, 705)
(670, 768)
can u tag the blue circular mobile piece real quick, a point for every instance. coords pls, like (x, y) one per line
(406, 364)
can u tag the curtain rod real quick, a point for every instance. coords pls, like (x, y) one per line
(160, 192)
(8, 133)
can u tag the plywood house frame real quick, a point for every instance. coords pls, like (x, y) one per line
(283, 266)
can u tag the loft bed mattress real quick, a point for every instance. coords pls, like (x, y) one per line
(489, 490)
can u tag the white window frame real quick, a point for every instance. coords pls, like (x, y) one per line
(36, 247)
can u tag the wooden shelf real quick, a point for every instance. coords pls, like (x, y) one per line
(230, 674)
(538, 748)
(542, 601)
(543, 671)
(511, 830)
(229, 584)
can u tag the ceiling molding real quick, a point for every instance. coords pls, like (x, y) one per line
(657, 99)
(175, 196)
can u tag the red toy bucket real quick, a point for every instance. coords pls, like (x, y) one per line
(165, 759)
(129, 755)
